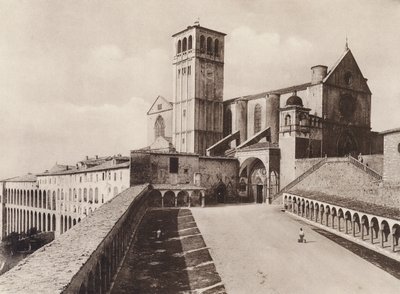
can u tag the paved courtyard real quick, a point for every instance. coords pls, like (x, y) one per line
(255, 250)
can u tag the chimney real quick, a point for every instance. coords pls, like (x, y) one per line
(87, 157)
(97, 157)
(318, 73)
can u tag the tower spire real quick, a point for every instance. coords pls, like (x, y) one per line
(347, 44)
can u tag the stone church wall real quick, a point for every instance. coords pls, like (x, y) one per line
(216, 171)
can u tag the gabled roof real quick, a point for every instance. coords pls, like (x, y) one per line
(346, 54)
(159, 97)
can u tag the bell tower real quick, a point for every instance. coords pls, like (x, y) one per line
(198, 81)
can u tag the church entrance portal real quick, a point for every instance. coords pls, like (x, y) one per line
(259, 194)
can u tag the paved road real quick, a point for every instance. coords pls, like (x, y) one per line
(255, 250)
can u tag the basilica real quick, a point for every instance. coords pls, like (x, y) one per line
(275, 135)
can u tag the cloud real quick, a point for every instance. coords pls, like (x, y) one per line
(68, 132)
(112, 76)
(259, 61)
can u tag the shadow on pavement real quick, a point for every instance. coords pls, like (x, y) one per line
(177, 261)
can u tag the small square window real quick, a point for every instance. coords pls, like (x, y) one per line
(186, 171)
(159, 106)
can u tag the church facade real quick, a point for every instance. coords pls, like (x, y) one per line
(274, 134)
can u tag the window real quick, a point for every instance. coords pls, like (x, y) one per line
(189, 70)
(183, 140)
(184, 112)
(183, 71)
(288, 120)
(209, 46)
(202, 44)
(159, 106)
(257, 118)
(190, 43)
(115, 176)
(348, 78)
(159, 127)
(184, 45)
(173, 165)
(186, 171)
(179, 49)
(216, 47)
(96, 195)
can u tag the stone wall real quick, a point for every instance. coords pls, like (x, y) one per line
(154, 168)
(85, 257)
(343, 179)
(216, 171)
(375, 162)
(391, 168)
(302, 165)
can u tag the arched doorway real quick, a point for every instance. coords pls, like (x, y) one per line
(169, 199)
(254, 175)
(258, 177)
(220, 192)
(155, 199)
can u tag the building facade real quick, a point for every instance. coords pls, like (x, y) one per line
(59, 198)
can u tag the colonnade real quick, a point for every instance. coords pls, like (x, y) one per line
(381, 231)
(21, 220)
(177, 198)
(31, 198)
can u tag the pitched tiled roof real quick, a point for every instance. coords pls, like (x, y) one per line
(281, 91)
(104, 166)
(24, 178)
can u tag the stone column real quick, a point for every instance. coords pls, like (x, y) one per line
(189, 198)
(393, 239)
(203, 199)
(162, 199)
(371, 231)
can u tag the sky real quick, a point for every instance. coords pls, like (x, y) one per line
(77, 77)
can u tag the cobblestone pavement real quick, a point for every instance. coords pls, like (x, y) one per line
(176, 262)
(255, 250)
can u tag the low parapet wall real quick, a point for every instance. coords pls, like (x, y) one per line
(86, 258)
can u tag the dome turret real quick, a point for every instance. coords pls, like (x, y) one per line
(294, 100)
